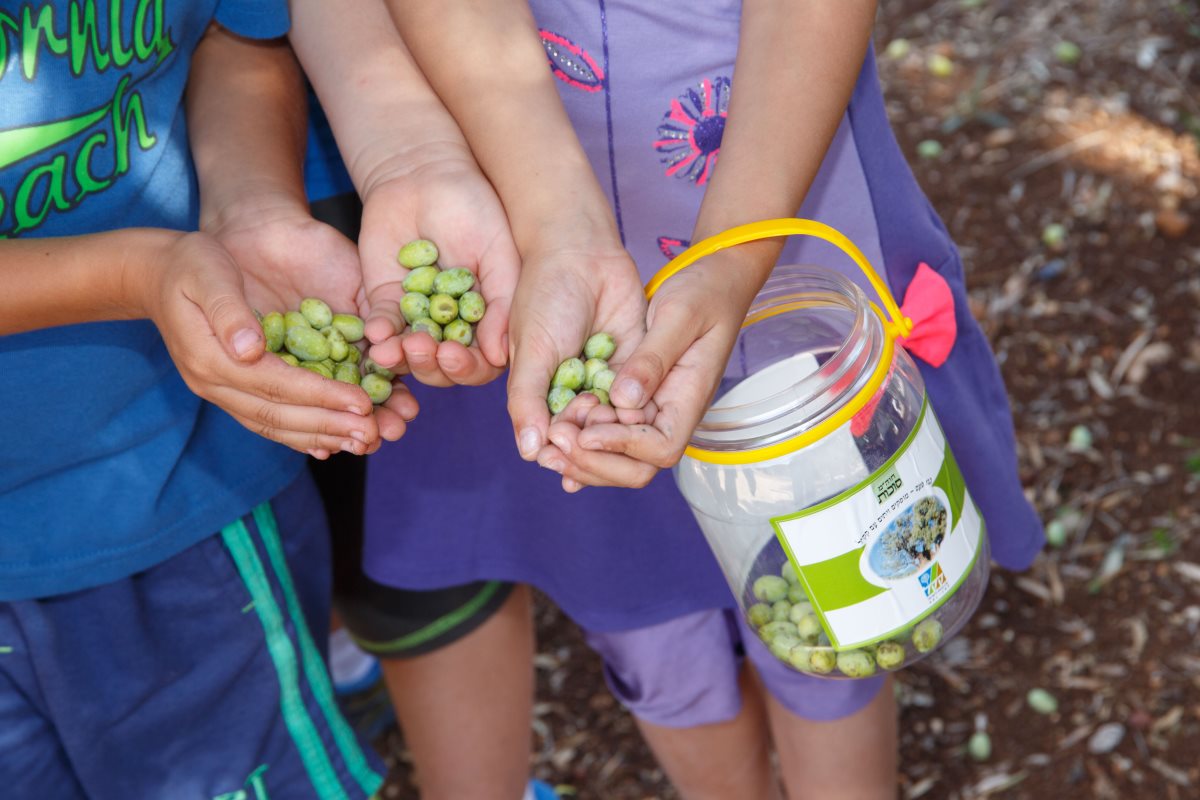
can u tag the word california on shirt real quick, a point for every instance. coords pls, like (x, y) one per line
(108, 463)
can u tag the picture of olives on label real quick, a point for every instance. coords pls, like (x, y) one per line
(911, 540)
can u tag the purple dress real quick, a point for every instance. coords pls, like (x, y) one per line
(647, 87)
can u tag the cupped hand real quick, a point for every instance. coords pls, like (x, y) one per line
(692, 324)
(564, 297)
(441, 196)
(285, 255)
(196, 298)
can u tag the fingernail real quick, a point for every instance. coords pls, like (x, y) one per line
(244, 341)
(589, 444)
(530, 442)
(572, 485)
(358, 436)
(556, 465)
(562, 443)
(355, 410)
(631, 390)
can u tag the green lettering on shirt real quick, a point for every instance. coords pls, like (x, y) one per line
(121, 126)
(55, 175)
(85, 39)
(32, 33)
(88, 182)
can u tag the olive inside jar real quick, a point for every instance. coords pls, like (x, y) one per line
(822, 480)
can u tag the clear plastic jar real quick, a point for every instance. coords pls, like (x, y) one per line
(826, 489)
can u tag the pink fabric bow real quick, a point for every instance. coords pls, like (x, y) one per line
(929, 303)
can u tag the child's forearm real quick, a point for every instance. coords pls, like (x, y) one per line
(487, 64)
(797, 64)
(246, 121)
(66, 280)
(384, 114)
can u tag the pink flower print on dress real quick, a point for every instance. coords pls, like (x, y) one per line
(689, 138)
(571, 64)
(672, 247)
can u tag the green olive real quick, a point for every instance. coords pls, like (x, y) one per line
(273, 330)
(458, 330)
(293, 319)
(443, 309)
(569, 374)
(306, 344)
(338, 348)
(347, 373)
(471, 306)
(316, 311)
(600, 345)
(890, 655)
(377, 387)
(590, 368)
(350, 326)
(927, 635)
(414, 306)
(318, 367)
(418, 253)
(770, 588)
(759, 614)
(371, 367)
(559, 398)
(856, 663)
(420, 280)
(604, 380)
(428, 326)
(454, 282)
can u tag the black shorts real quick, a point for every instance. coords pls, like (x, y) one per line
(384, 620)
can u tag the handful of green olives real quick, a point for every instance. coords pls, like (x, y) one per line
(785, 620)
(587, 373)
(316, 339)
(441, 302)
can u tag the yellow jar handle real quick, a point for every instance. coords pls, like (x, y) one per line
(897, 325)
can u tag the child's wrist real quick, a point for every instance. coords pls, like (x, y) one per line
(382, 160)
(250, 203)
(144, 257)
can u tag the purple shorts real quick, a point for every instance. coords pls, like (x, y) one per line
(684, 672)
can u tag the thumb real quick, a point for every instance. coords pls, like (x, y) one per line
(222, 300)
(671, 333)
(532, 367)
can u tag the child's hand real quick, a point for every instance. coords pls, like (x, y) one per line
(442, 197)
(196, 298)
(285, 256)
(564, 297)
(693, 322)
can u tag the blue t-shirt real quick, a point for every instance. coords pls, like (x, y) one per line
(108, 463)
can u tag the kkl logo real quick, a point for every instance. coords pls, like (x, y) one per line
(932, 580)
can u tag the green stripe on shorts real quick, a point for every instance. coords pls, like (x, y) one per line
(439, 626)
(314, 665)
(295, 716)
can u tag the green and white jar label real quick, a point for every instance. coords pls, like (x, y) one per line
(886, 553)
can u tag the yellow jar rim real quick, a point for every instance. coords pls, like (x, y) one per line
(894, 324)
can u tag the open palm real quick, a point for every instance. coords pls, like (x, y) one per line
(449, 202)
(285, 255)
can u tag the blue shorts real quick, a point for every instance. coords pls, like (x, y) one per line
(195, 680)
(684, 672)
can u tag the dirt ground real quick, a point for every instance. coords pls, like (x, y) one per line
(1062, 152)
